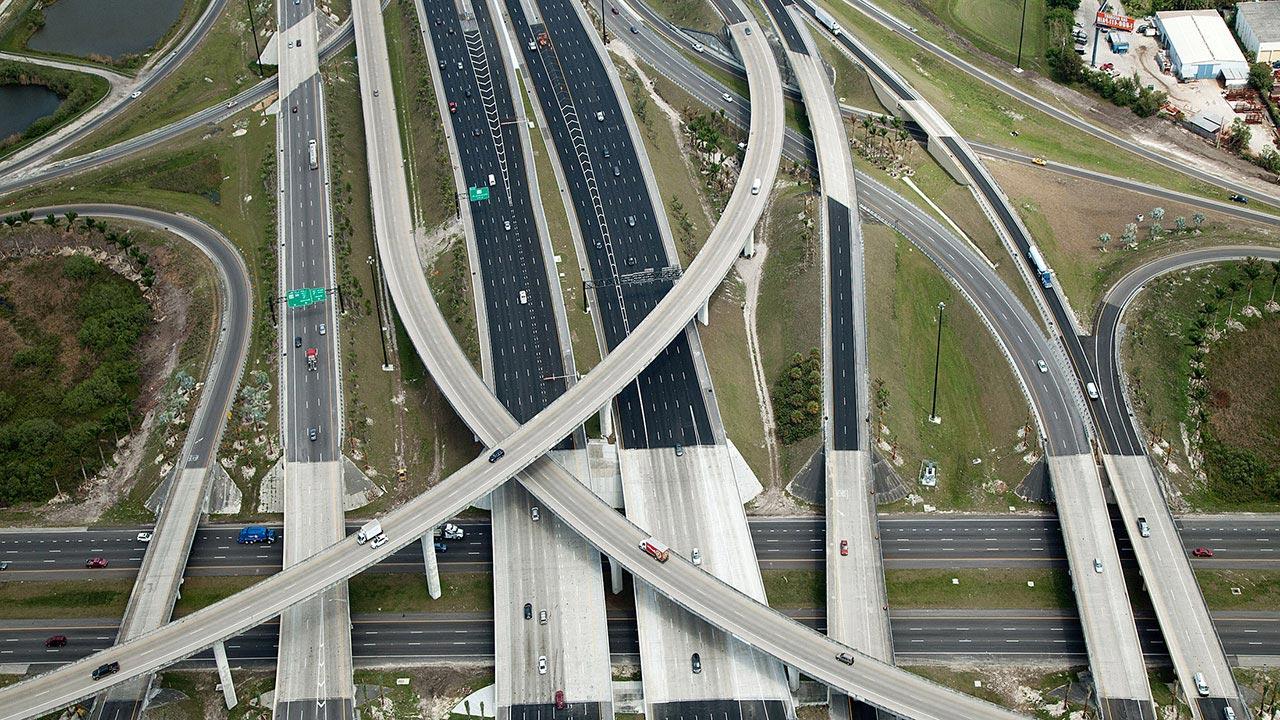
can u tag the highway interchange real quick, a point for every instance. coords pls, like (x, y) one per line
(549, 485)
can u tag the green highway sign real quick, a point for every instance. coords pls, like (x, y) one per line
(478, 193)
(303, 297)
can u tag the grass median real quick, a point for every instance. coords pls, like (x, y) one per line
(1252, 590)
(387, 593)
(40, 599)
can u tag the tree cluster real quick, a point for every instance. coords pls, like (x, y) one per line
(797, 397)
(52, 431)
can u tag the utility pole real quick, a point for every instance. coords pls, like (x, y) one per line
(377, 303)
(937, 357)
(257, 58)
(1022, 28)
(604, 36)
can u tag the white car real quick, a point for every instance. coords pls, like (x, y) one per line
(136, 94)
(524, 297)
(1097, 565)
(506, 224)
(535, 514)
(542, 617)
(1043, 368)
(696, 556)
(144, 536)
(727, 97)
(542, 664)
(323, 329)
(378, 542)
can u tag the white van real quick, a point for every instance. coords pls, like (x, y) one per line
(755, 187)
(1201, 686)
(1092, 390)
(492, 180)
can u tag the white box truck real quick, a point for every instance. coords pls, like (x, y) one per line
(371, 530)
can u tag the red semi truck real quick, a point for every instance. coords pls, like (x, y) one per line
(655, 548)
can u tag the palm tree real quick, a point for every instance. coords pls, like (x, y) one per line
(1234, 286)
(1103, 239)
(71, 217)
(1198, 219)
(1180, 223)
(51, 220)
(1252, 271)
(26, 216)
(1157, 214)
(10, 220)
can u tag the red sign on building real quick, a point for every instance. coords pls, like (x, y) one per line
(1115, 22)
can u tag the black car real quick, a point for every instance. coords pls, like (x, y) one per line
(528, 611)
(297, 341)
(496, 455)
(1237, 197)
(696, 663)
(102, 671)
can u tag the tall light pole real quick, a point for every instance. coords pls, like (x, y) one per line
(1022, 28)
(377, 303)
(248, 4)
(937, 357)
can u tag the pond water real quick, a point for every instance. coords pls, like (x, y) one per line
(23, 105)
(104, 27)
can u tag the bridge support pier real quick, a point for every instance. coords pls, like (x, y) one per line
(433, 570)
(704, 313)
(749, 247)
(606, 419)
(615, 576)
(793, 679)
(224, 674)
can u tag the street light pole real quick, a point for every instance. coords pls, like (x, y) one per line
(604, 36)
(1022, 28)
(257, 58)
(937, 357)
(377, 303)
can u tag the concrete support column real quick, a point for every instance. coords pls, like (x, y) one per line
(704, 313)
(224, 674)
(615, 576)
(749, 247)
(793, 679)
(433, 570)
(606, 419)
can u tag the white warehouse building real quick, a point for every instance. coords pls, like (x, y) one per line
(1201, 46)
(1258, 25)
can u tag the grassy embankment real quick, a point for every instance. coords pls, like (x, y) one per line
(986, 588)
(982, 409)
(1218, 400)
(221, 66)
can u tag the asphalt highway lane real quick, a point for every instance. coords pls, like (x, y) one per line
(939, 635)
(1238, 541)
(615, 214)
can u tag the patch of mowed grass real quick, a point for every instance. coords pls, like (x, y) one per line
(220, 67)
(383, 593)
(993, 26)
(979, 400)
(980, 589)
(1259, 589)
(692, 14)
(90, 598)
(795, 589)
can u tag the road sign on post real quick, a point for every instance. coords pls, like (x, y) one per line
(478, 193)
(303, 297)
